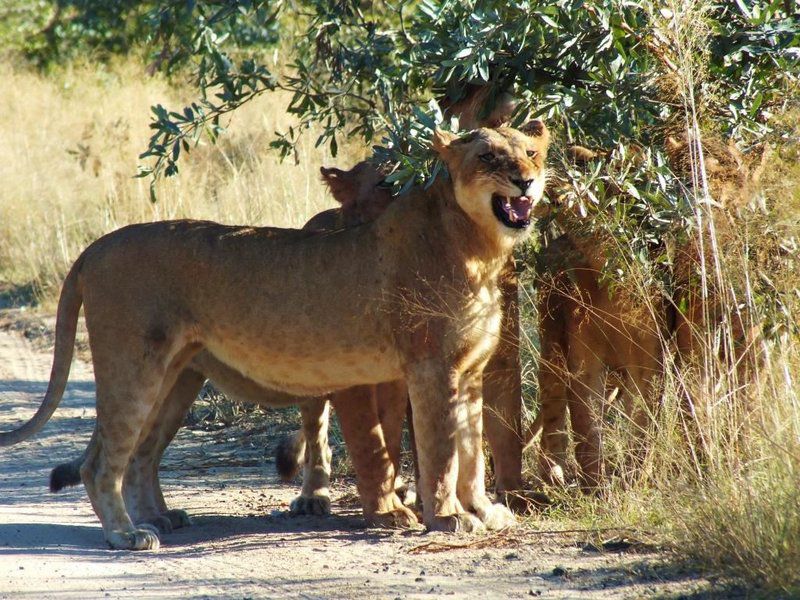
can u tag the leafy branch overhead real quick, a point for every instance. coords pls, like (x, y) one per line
(602, 71)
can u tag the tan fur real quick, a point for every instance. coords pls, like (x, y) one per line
(363, 197)
(362, 200)
(594, 339)
(589, 334)
(361, 187)
(412, 295)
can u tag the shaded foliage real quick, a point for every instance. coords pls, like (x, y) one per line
(103, 28)
(602, 71)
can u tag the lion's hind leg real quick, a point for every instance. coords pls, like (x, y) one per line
(315, 496)
(132, 376)
(142, 488)
(104, 467)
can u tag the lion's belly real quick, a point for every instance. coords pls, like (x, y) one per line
(307, 368)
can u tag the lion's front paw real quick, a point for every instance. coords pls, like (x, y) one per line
(145, 537)
(497, 516)
(460, 522)
(398, 518)
(314, 505)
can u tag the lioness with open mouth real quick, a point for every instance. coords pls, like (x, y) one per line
(412, 295)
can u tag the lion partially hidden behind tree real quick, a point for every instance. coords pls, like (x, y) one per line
(151, 301)
(601, 343)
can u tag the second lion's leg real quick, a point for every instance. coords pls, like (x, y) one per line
(556, 309)
(357, 409)
(392, 402)
(586, 405)
(641, 393)
(553, 412)
(142, 488)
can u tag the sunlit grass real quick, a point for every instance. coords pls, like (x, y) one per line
(69, 155)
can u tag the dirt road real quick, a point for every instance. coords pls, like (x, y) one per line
(242, 543)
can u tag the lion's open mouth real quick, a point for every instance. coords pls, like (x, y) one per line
(512, 211)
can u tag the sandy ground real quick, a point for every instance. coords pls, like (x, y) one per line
(244, 545)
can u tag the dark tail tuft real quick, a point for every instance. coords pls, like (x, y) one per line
(289, 455)
(65, 475)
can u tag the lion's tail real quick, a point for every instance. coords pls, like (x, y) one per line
(66, 474)
(533, 430)
(290, 455)
(69, 306)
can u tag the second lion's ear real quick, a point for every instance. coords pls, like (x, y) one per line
(537, 129)
(341, 184)
(441, 142)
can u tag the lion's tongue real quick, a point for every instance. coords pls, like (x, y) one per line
(519, 208)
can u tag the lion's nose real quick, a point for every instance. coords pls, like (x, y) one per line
(522, 184)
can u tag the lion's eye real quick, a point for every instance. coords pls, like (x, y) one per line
(532, 153)
(487, 158)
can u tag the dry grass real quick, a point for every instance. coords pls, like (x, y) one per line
(69, 153)
(730, 505)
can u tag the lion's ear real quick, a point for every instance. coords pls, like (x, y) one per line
(441, 142)
(342, 184)
(537, 129)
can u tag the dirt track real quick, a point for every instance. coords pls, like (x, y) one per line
(242, 544)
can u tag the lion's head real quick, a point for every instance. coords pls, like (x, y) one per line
(498, 175)
(360, 191)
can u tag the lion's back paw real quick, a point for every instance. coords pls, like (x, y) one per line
(145, 537)
(178, 518)
(161, 524)
(314, 505)
(497, 516)
(460, 522)
(524, 502)
(398, 518)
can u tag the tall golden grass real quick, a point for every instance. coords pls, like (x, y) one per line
(69, 151)
(719, 488)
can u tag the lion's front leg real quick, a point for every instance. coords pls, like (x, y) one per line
(433, 390)
(586, 407)
(471, 466)
(502, 393)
